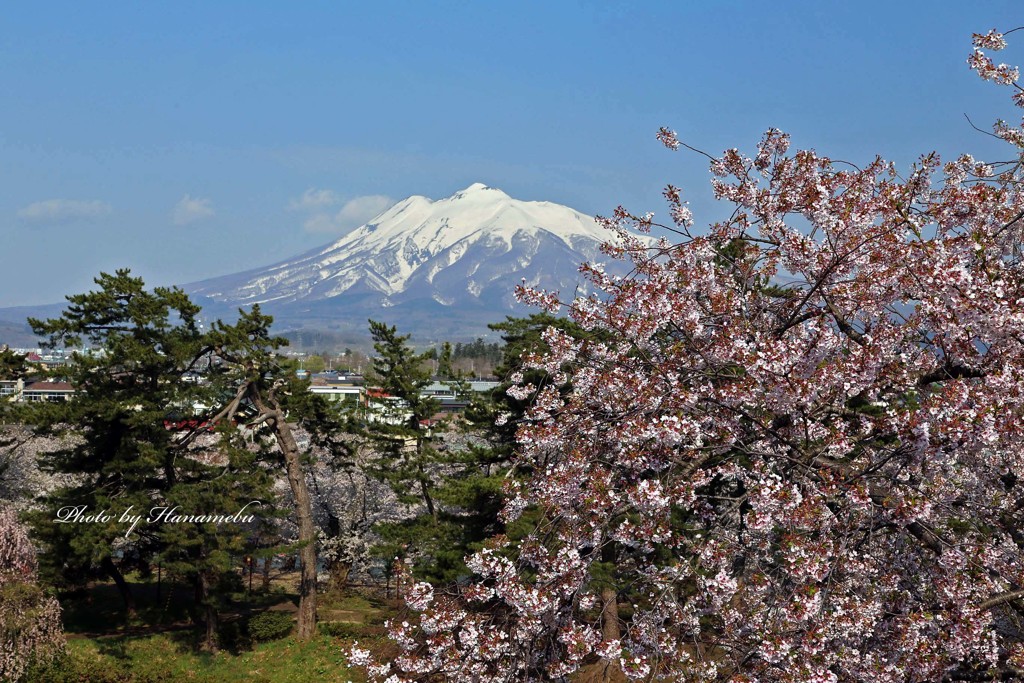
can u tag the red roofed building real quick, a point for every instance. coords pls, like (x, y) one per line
(47, 391)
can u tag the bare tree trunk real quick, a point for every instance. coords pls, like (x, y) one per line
(304, 517)
(122, 586)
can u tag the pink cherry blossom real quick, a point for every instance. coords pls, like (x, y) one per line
(799, 435)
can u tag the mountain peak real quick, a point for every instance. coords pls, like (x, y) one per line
(480, 190)
(469, 249)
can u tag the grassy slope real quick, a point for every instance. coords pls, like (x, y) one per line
(163, 658)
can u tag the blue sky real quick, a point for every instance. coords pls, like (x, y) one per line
(193, 139)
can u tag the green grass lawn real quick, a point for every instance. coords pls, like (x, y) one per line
(165, 658)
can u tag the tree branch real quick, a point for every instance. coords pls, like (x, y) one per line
(947, 372)
(1000, 599)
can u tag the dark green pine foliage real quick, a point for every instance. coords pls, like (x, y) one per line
(137, 438)
(465, 481)
(408, 460)
(524, 336)
(478, 349)
(496, 417)
(398, 418)
(444, 362)
(12, 365)
(229, 479)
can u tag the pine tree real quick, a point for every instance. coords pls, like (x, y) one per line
(396, 425)
(444, 362)
(274, 401)
(123, 457)
(141, 444)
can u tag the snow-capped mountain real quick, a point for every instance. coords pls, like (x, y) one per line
(461, 254)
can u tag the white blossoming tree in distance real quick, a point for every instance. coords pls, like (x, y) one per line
(803, 440)
(30, 626)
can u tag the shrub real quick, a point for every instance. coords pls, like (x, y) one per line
(77, 665)
(267, 626)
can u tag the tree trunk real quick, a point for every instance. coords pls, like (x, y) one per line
(609, 615)
(339, 574)
(307, 531)
(122, 586)
(424, 489)
(265, 579)
(211, 618)
(426, 496)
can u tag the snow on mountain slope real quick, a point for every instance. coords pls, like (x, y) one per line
(471, 248)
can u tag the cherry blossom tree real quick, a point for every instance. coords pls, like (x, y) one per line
(30, 627)
(801, 436)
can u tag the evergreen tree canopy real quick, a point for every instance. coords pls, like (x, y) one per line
(140, 441)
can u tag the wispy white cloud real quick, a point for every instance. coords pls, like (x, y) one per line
(55, 211)
(357, 211)
(319, 204)
(315, 200)
(191, 209)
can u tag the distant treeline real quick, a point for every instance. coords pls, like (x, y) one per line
(477, 350)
